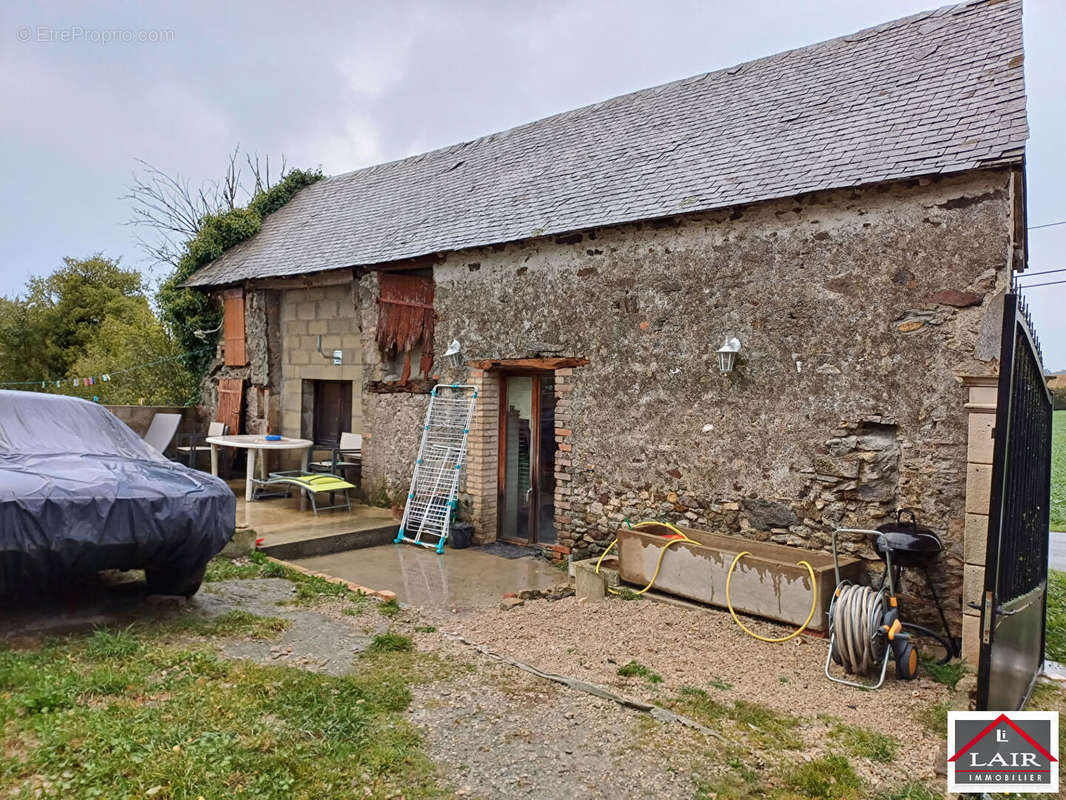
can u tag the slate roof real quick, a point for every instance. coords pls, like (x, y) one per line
(937, 92)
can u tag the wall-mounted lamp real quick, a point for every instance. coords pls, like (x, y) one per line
(727, 354)
(453, 356)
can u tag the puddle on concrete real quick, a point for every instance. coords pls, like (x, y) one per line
(422, 579)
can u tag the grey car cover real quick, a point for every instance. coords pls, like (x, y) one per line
(81, 492)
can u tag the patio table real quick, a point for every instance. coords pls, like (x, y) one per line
(252, 443)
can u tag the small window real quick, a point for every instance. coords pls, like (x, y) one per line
(233, 328)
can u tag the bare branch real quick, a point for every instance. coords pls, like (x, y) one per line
(172, 211)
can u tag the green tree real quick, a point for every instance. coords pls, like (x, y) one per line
(88, 318)
(44, 331)
(145, 364)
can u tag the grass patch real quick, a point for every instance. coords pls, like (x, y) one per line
(720, 684)
(104, 644)
(1058, 471)
(389, 608)
(913, 790)
(255, 565)
(236, 623)
(1056, 612)
(625, 593)
(863, 743)
(829, 778)
(948, 674)
(934, 718)
(768, 728)
(390, 642)
(1047, 696)
(426, 629)
(118, 715)
(634, 669)
(310, 589)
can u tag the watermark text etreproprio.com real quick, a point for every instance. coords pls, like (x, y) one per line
(70, 34)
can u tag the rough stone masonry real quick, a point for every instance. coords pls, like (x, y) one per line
(858, 310)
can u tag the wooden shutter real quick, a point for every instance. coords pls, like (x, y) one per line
(230, 400)
(233, 327)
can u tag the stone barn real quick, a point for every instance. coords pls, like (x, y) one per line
(851, 212)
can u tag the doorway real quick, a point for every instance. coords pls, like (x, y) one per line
(527, 458)
(332, 411)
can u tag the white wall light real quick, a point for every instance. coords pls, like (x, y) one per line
(727, 354)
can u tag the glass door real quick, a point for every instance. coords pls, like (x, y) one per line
(527, 458)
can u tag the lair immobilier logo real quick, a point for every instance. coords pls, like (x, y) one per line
(992, 751)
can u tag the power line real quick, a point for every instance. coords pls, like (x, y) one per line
(1034, 285)
(1046, 225)
(1045, 272)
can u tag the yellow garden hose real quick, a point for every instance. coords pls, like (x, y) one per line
(736, 619)
(728, 579)
(662, 552)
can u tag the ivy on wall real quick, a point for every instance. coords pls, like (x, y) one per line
(188, 311)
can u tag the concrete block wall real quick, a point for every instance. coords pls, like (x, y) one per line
(306, 314)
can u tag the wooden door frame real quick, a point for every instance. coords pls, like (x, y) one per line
(533, 524)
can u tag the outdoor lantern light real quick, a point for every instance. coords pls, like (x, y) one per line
(727, 354)
(454, 354)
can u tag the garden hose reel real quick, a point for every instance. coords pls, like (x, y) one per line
(865, 629)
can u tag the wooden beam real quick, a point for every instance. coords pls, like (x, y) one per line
(562, 362)
(313, 280)
(416, 386)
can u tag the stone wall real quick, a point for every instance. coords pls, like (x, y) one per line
(282, 327)
(262, 373)
(858, 311)
(392, 421)
(139, 418)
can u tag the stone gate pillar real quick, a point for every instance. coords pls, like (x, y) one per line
(981, 408)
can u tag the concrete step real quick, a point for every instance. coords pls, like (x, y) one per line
(331, 542)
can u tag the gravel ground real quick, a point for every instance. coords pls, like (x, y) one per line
(499, 732)
(703, 649)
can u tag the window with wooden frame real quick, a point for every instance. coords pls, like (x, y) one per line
(233, 328)
(405, 324)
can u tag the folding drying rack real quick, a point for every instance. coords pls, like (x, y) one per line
(432, 499)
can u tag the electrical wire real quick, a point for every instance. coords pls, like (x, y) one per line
(1034, 285)
(1022, 276)
(1046, 225)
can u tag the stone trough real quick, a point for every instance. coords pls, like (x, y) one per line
(767, 583)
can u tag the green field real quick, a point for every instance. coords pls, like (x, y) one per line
(1058, 473)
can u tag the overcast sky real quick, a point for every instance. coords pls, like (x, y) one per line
(347, 84)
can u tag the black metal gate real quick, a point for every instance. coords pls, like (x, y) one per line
(1015, 593)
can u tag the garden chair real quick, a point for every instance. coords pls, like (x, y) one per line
(312, 485)
(192, 444)
(162, 430)
(348, 455)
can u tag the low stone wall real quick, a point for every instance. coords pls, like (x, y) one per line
(194, 418)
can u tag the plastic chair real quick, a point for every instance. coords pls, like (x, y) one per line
(162, 430)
